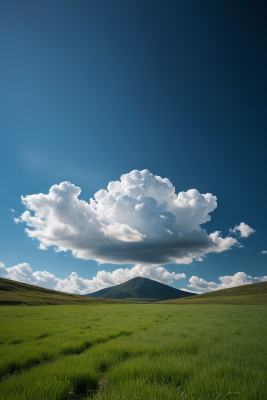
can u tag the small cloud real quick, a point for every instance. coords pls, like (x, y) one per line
(11, 210)
(42, 247)
(264, 252)
(244, 229)
(168, 231)
(191, 291)
(17, 220)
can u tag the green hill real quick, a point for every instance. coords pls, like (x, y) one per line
(17, 293)
(140, 289)
(254, 293)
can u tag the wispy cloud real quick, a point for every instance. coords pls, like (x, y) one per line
(264, 252)
(191, 291)
(139, 219)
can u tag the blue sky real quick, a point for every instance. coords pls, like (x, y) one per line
(94, 90)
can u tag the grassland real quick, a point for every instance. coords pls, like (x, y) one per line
(133, 351)
(17, 293)
(255, 293)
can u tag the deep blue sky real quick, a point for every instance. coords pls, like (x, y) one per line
(91, 90)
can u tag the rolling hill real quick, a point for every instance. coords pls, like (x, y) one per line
(17, 293)
(137, 289)
(254, 293)
(140, 289)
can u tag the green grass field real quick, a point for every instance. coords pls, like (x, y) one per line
(133, 351)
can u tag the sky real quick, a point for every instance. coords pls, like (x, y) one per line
(133, 143)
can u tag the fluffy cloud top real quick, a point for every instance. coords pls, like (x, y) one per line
(239, 279)
(139, 219)
(75, 284)
(245, 230)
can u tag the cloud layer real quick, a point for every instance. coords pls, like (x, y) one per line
(239, 279)
(139, 219)
(74, 284)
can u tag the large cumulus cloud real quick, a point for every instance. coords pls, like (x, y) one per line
(139, 219)
(75, 284)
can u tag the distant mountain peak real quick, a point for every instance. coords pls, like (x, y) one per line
(143, 289)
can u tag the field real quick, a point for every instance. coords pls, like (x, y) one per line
(133, 351)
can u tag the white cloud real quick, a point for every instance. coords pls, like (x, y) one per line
(245, 230)
(264, 252)
(139, 219)
(123, 232)
(240, 278)
(262, 278)
(201, 284)
(11, 210)
(78, 285)
(191, 291)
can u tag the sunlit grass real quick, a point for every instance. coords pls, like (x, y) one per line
(134, 352)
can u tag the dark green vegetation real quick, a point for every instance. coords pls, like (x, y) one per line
(140, 289)
(14, 293)
(133, 351)
(255, 293)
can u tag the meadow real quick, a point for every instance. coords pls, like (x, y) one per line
(133, 351)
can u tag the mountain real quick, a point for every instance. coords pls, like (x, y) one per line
(254, 293)
(17, 293)
(141, 289)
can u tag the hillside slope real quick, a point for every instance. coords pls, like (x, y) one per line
(141, 289)
(17, 293)
(255, 293)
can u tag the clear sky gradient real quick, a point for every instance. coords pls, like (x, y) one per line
(91, 90)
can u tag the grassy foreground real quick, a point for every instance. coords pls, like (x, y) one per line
(133, 351)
